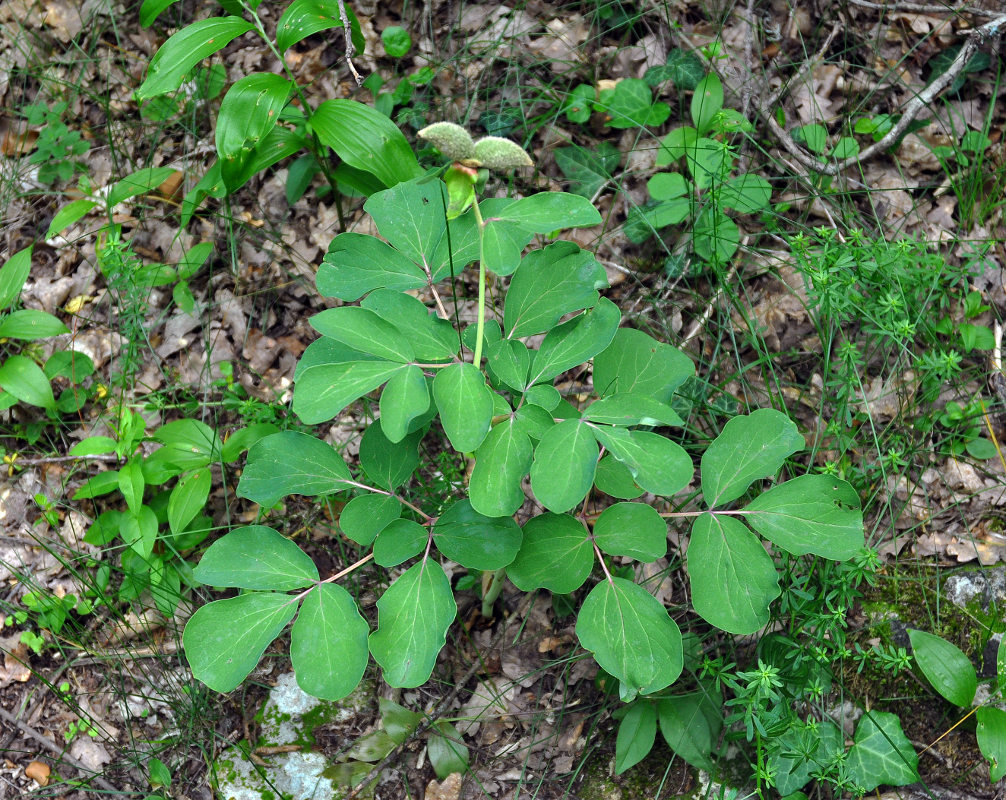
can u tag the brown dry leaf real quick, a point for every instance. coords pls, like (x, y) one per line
(18, 144)
(64, 19)
(450, 789)
(15, 661)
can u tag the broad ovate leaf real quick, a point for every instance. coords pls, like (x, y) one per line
(413, 617)
(636, 733)
(556, 555)
(631, 636)
(465, 403)
(992, 739)
(947, 669)
(328, 643)
(635, 530)
(366, 515)
(636, 362)
(501, 462)
(749, 447)
(225, 639)
(657, 464)
(733, 579)
(292, 463)
(817, 514)
(564, 465)
(256, 557)
(474, 540)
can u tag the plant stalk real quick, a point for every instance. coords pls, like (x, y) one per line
(481, 324)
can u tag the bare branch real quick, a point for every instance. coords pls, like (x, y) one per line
(347, 29)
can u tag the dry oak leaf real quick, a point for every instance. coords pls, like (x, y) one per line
(450, 789)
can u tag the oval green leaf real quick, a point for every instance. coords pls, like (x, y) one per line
(475, 540)
(564, 465)
(328, 643)
(366, 515)
(291, 463)
(556, 555)
(465, 403)
(24, 379)
(256, 557)
(635, 530)
(947, 669)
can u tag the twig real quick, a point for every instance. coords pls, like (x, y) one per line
(350, 50)
(911, 110)
(921, 9)
(52, 747)
(17, 461)
(805, 67)
(443, 705)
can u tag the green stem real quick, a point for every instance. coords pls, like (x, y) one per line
(493, 592)
(481, 325)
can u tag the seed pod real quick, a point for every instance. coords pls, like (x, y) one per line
(450, 139)
(498, 153)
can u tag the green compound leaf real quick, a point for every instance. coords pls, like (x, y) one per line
(225, 639)
(474, 540)
(321, 392)
(180, 53)
(550, 211)
(405, 399)
(367, 515)
(292, 463)
(686, 723)
(399, 541)
(355, 264)
(631, 637)
(992, 739)
(25, 380)
(564, 465)
(574, 342)
(364, 331)
(365, 139)
(249, 110)
(501, 462)
(733, 579)
(465, 403)
(328, 643)
(388, 464)
(715, 236)
(588, 170)
(13, 274)
(432, 338)
(947, 669)
(411, 217)
(556, 555)
(636, 734)
(303, 18)
(256, 557)
(817, 514)
(631, 409)
(29, 324)
(746, 193)
(657, 464)
(882, 754)
(637, 363)
(613, 478)
(414, 615)
(632, 529)
(748, 448)
(549, 283)
(188, 498)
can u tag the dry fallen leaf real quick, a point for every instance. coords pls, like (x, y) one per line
(450, 789)
(38, 772)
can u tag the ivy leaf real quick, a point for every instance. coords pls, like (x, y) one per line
(414, 615)
(817, 514)
(291, 463)
(321, 392)
(657, 464)
(733, 579)
(182, 51)
(636, 733)
(328, 643)
(356, 264)
(631, 636)
(555, 555)
(630, 105)
(549, 283)
(635, 530)
(947, 669)
(637, 363)
(501, 462)
(683, 67)
(575, 341)
(881, 753)
(564, 465)
(465, 403)
(749, 447)
(256, 557)
(588, 169)
(474, 540)
(225, 639)
(366, 515)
